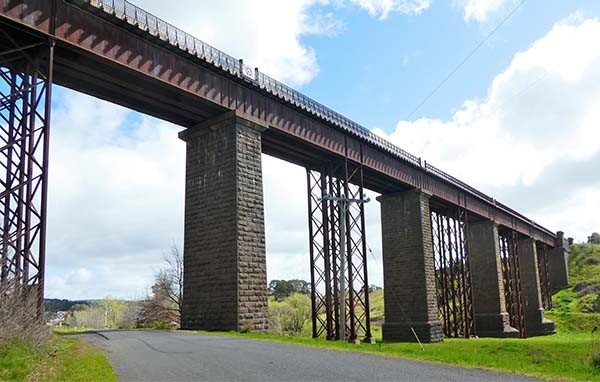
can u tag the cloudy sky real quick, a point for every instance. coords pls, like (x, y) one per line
(519, 120)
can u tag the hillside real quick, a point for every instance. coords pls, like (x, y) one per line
(577, 308)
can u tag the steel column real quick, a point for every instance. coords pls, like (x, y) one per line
(452, 272)
(25, 99)
(324, 230)
(542, 257)
(511, 277)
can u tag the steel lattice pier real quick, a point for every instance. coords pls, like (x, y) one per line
(25, 96)
(543, 251)
(511, 278)
(344, 179)
(452, 272)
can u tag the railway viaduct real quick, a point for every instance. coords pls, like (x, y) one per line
(457, 263)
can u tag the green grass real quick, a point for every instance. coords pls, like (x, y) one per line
(67, 330)
(584, 264)
(62, 359)
(16, 359)
(577, 309)
(557, 357)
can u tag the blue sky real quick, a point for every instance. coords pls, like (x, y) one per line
(519, 121)
(377, 72)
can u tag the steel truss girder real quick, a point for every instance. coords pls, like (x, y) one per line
(511, 278)
(25, 99)
(452, 272)
(344, 179)
(543, 250)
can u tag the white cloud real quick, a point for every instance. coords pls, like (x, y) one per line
(115, 197)
(116, 203)
(267, 34)
(117, 178)
(383, 8)
(541, 112)
(482, 10)
(264, 33)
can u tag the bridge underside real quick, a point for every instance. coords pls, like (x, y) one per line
(456, 264)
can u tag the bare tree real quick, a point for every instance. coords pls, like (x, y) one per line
(170, 279)
(19, 316)
(165, 305)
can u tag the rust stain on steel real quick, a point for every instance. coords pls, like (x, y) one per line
(145, 55)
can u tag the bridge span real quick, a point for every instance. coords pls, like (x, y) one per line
(456, 261)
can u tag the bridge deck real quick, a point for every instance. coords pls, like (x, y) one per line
(113, 57)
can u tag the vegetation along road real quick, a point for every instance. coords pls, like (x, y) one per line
(183, 356)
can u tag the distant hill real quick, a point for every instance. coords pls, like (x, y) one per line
(53, 305)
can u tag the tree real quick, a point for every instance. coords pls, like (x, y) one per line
(166, 303)
(594, 239)
(281, 289)
(290, 315)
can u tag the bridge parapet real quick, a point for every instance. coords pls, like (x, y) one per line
(138, 18)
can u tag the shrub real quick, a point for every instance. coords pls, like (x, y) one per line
(19, 316)
(291, 315)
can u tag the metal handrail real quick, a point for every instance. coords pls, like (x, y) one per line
(138, 17)
(167, 32)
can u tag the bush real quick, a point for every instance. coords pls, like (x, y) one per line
(19, 316)
(291, 315)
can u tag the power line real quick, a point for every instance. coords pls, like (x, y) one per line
(460, 65)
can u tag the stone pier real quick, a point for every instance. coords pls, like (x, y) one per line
(408, 268)
(491, 317)
(535, 322)
(224, 252)
(558, 263)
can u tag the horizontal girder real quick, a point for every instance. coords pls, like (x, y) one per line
(116, 57)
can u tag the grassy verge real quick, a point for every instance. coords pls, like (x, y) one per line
(67, 330)
(62, 359)
(557, 357)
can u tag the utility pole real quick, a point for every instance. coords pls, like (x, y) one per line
(343, 205)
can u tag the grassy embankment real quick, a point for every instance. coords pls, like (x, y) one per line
(571, 354)
(61, 359)
(557, 357)
(577, 308)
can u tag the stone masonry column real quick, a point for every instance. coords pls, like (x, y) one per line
(535, 322)
(225, 281)
(558, 263)
(408, 268)
(489, 304)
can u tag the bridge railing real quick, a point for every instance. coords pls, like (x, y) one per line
(146, 21)
(169, 33)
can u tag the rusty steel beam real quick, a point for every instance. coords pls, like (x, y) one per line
(452, 272)
(544, 273)
(337, 180)
(25, 98)
(511, 277)
(119, 47)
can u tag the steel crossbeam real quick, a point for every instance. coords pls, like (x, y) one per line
(452, 272)
(25, 95)
(511, 277)
(341, 180)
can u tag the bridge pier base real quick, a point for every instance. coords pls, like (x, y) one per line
(225, 282)
(491, 317)
(535, 322)
(408, 268)
(558, 263)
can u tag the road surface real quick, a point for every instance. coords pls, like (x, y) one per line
(180, 356)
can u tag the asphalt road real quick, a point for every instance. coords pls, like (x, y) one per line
(179, 356)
